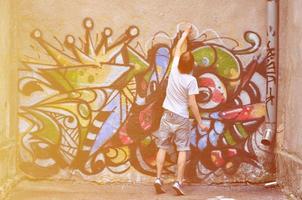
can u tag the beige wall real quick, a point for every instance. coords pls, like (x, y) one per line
(289, 151)
(5, 59)
(227, 18)
(59, 18)
(8, 105)
(231, 19)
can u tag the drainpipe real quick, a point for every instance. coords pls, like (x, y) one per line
(271, 71)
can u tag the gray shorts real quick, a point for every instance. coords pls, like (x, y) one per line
(173, 128)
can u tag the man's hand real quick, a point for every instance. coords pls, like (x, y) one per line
(188, 29)
(181, 43)
(203, 127)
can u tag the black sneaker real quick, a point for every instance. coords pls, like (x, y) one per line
(158, 185)
(177, 187)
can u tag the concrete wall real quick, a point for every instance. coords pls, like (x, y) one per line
(8, 105)
(89, 106)
(288, 147)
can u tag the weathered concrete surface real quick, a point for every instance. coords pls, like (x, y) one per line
(289, 151)
(46, 190)
(8, 98)
(54, 18)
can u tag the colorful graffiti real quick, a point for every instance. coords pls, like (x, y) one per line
(95, 104)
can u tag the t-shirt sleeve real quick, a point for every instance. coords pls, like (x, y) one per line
(193, 87)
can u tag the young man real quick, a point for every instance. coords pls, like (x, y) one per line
(181, 90)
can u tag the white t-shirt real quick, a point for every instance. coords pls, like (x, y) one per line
(180, 86)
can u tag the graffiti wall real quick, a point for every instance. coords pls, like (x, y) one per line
(90, 104)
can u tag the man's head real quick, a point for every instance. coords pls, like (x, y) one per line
(186, 63)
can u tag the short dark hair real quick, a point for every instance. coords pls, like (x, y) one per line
(186, 63)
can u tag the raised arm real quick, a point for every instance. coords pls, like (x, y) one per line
(181, 41)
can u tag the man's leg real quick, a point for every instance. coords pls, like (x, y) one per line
(181, 162)
(160, 160)
(163, 143)
(182, 141)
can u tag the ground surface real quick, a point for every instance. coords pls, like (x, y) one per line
(66, 190)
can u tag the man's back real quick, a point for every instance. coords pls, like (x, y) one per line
(180, 86)
(181, 91)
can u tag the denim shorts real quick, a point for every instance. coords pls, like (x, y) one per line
(173, 129)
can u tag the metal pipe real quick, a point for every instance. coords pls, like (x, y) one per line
(271, 72)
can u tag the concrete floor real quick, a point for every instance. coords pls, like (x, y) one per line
(65, 190)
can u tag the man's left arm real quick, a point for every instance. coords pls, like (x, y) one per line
(193, 90)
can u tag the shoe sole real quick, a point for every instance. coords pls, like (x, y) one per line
(158, 189)
(178, 191)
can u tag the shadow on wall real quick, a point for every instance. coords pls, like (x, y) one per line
(93, 105)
